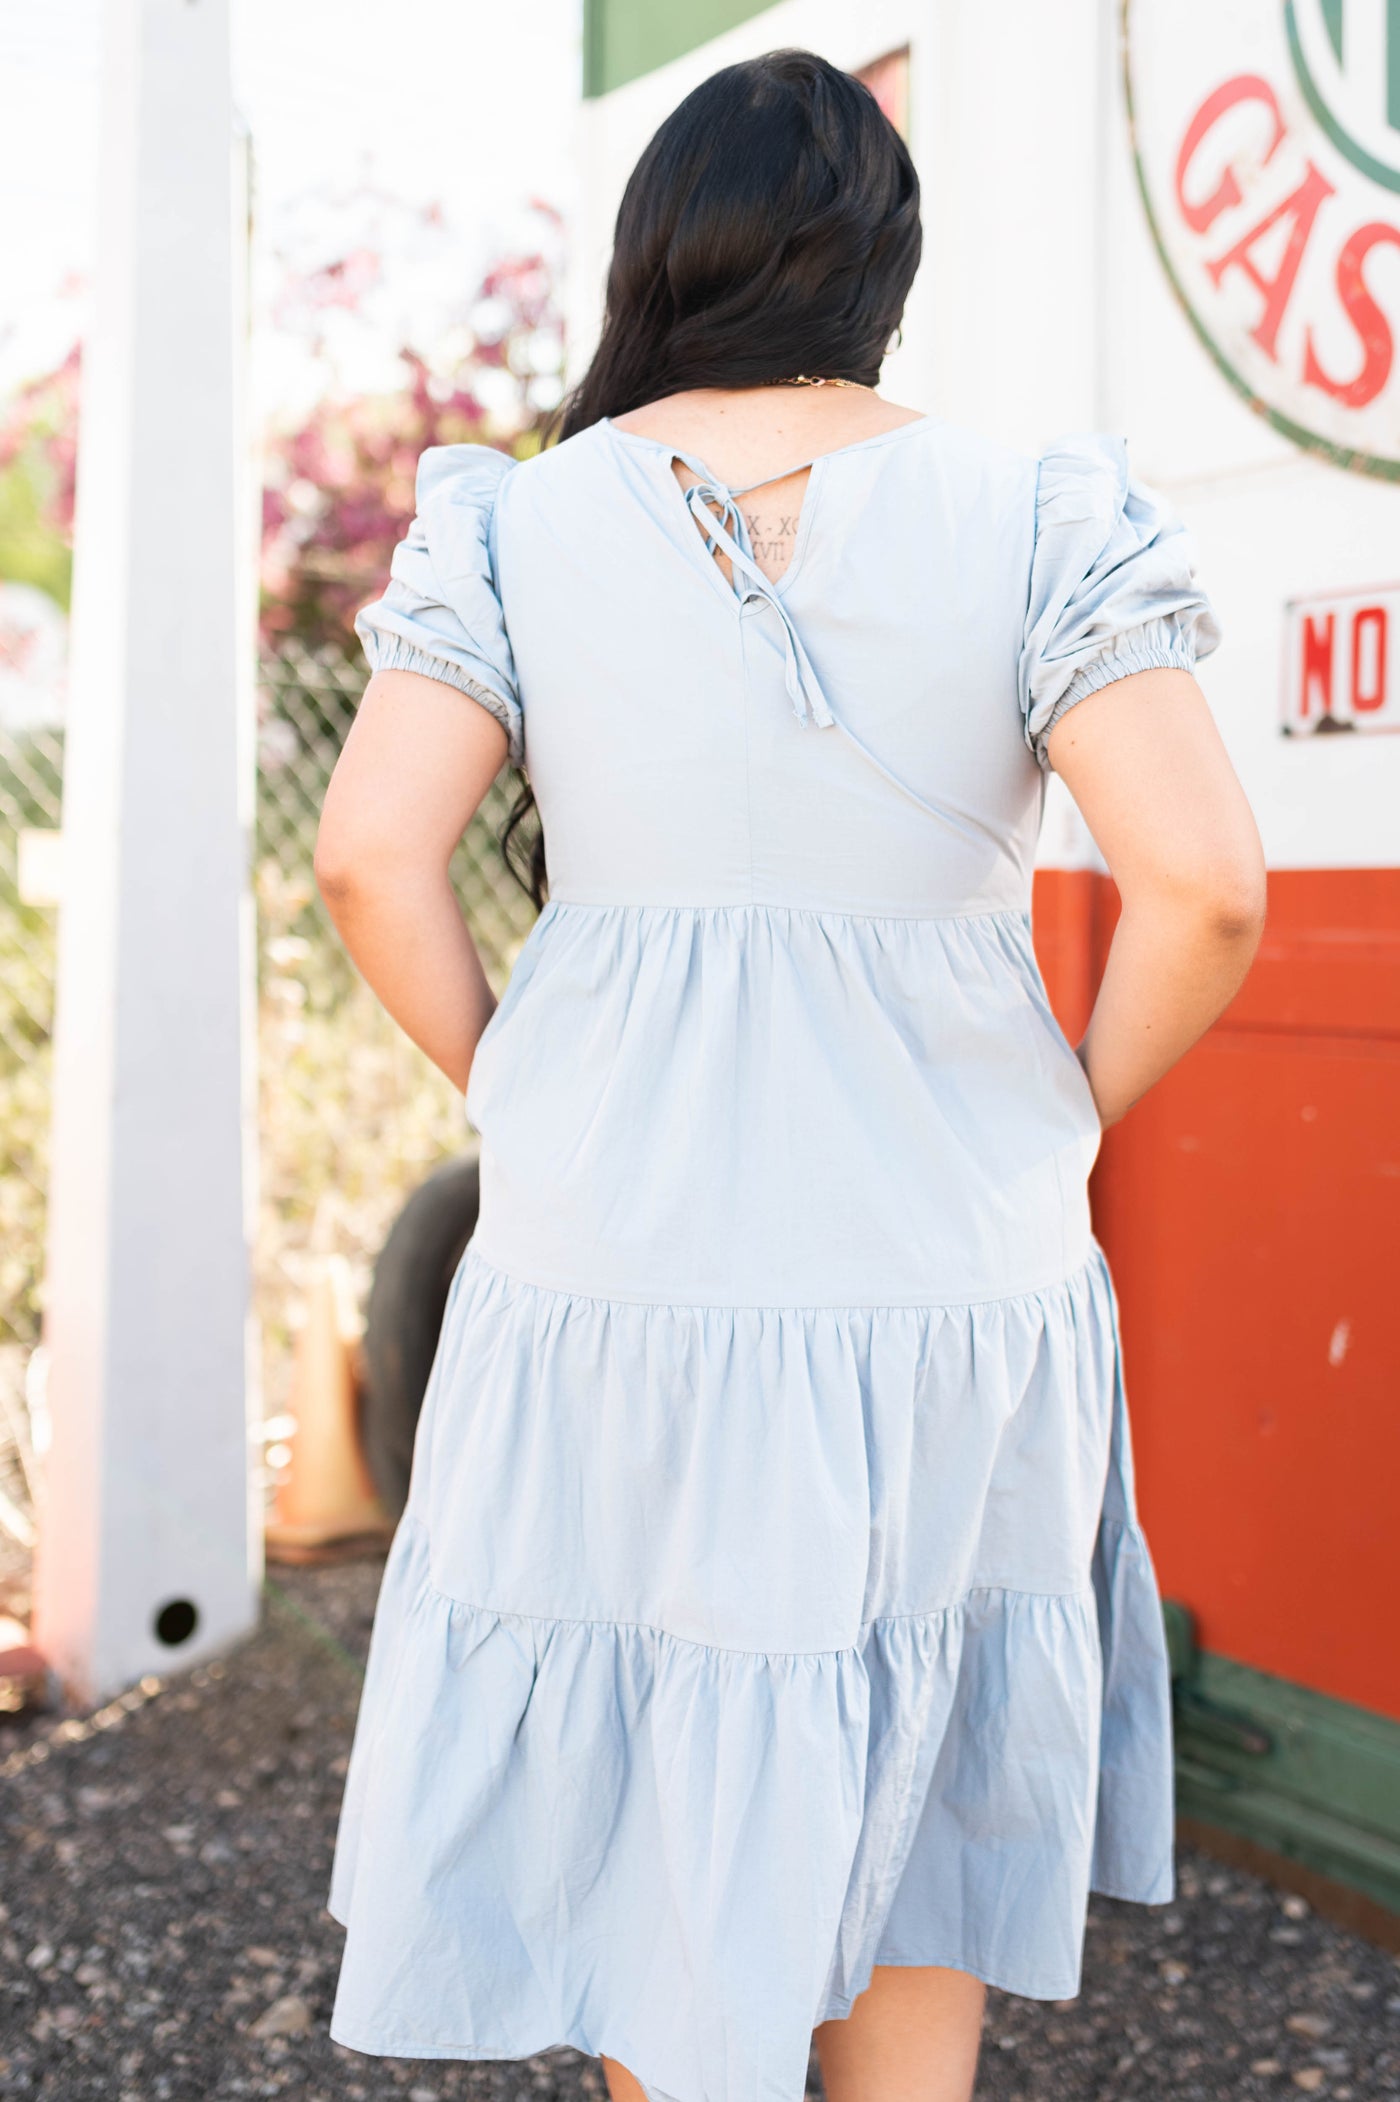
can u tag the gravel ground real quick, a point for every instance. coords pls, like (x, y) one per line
(162, 1932)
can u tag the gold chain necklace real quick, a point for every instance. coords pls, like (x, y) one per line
(802, 380)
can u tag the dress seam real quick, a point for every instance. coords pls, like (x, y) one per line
(1084, 1597)
(1017, 914)
(1054, 1288)
(746, 694)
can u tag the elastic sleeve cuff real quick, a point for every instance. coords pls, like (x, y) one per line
(1114, 664)
(392, 653)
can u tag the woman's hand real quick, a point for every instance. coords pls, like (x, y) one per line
(418, 761)
(1145, 763)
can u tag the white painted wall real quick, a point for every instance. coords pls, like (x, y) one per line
(614, 128)
(1041, 307)
(147, 1484)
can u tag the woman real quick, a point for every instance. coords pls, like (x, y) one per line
(770, 1642)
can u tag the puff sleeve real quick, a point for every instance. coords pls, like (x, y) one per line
(441, 613)
(1112, 587)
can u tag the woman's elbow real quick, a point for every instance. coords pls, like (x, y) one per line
(336, 867)
(1224, 895)
(1227, 897)
(350, 862)
(1238, 908)
(1235, 895)
(354, 863)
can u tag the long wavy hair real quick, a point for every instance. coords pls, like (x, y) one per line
(770, 228)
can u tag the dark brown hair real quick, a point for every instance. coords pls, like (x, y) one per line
(770, 228)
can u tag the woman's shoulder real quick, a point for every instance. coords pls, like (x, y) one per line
(956, 479)
(1072, 495)
(1090, 500)
(1087, 466)
(467, 473)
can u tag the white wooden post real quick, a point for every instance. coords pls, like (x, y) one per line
(149, 1549)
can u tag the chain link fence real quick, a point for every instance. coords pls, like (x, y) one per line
(351, 1114)
(31, 786)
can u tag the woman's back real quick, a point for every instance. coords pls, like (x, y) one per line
(672, 759)
(779, 1036)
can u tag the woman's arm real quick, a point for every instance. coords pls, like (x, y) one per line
(418, 761)
(1144, 762)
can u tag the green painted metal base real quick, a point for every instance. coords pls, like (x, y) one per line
(1310, 1778)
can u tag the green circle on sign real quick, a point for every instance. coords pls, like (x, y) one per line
(1351, 149)
(1344, 456)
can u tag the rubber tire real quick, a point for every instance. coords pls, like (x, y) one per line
(403, 1321)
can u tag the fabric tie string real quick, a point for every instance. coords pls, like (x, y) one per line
(809, 703)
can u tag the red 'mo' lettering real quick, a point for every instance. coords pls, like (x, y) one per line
(1318, 639)
(1368, 664)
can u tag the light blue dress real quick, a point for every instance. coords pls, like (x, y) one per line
(771, 1601)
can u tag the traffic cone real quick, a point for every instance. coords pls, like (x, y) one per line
(325, 1505)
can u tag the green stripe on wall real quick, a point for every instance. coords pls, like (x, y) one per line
(623, 39)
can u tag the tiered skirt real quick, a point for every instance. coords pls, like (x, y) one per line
(724, 1653)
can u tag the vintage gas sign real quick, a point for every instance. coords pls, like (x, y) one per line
(1267, 141)
(1341, 663)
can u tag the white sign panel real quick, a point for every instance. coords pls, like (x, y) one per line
(1267, 143)
(1342, 663)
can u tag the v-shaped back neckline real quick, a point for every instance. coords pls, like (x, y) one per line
(717, 482)
(726, 494)
(810, 703)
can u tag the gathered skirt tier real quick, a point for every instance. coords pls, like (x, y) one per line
(724, 1653)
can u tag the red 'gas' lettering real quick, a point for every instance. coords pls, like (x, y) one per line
(1302, 206)
(1245, 87)
(1377, 342)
